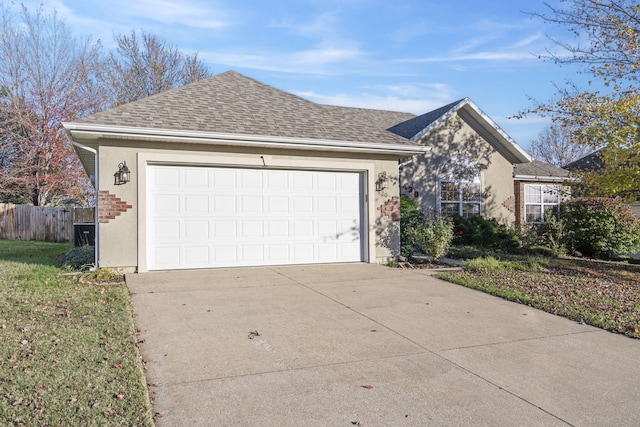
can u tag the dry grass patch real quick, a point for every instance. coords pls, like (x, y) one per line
(602, 294)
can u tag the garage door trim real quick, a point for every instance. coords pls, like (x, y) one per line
(312, 165)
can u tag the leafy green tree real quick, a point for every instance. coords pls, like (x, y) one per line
(605, 41)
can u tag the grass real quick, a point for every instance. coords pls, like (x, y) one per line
(601, 294)
(68, 349)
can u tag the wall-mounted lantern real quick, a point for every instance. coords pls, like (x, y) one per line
(382, 181)
(123, 175)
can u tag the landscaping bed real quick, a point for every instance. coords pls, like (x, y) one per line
(68, 348)
(598, 293)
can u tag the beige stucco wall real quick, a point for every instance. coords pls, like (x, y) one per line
(121, 241)
(455, 138)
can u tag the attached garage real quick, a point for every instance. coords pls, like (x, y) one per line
(199, 217)
(231, 172)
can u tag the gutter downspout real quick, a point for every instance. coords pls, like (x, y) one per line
(96, 255)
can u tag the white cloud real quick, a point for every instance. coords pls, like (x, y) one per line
(189, 13)
(320, 60)
(417, 99)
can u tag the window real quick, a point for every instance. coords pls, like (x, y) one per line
(460, 191)
(538, 199)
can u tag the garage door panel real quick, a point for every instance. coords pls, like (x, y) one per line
(224, 229)
(165, 203)
(196, 256)
(251, 229)
(277, 204)
(166, 179)
(196, 230)
(251, 204)
(327, 182)
(165, 230)
(302, 180)
(224, 178)
(196, 178)
(196, 204)
(225, 256)
(250, 179)
(277, 228)
(302, 204)
(277, 180)
(278, 253)
(200, 217)
(303, 252)
(327, 205)
(224, 204)
(169, 256)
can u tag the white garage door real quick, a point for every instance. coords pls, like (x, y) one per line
(199, 217)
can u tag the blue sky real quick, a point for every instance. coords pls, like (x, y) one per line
(413, 55)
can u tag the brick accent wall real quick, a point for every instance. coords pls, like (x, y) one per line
(519, 202)
(391, 208)
(510, 204)
(110, 206)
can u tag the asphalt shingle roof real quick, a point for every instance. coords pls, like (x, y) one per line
(538, 168)
(234, 103)
(590, 162)
(410, 128)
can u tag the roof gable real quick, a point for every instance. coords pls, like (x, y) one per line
(416, 128)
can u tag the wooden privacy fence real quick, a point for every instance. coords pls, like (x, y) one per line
(46, 224)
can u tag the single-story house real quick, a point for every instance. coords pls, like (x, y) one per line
(229, 171)
(474, 168)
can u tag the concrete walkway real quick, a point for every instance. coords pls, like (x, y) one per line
(338, 345)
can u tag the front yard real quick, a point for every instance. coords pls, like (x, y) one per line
(68, 347)
(602, 294)
(68, 350)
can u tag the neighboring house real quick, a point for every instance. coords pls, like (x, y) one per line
(594, 162)
(475, 168)
(229, 172)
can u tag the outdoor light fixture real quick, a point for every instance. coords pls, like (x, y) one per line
(123, 175)
(381, 183)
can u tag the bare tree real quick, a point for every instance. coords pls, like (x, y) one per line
(146, 65)
(46, 77)
(558, 145)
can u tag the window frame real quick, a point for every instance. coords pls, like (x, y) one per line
(542, 204)
(466, 207)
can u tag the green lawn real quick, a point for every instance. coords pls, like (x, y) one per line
(68, 351)
(602, 294)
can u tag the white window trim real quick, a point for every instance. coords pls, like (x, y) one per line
(544, 206)
(461, 202)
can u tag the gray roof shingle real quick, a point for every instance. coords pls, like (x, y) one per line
(234, 103)
(415, 125)
(539, 169)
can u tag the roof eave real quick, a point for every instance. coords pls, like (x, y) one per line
(511, 146)
(542, 178)
(90, 134)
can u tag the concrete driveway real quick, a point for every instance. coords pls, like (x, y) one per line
(345, 344)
